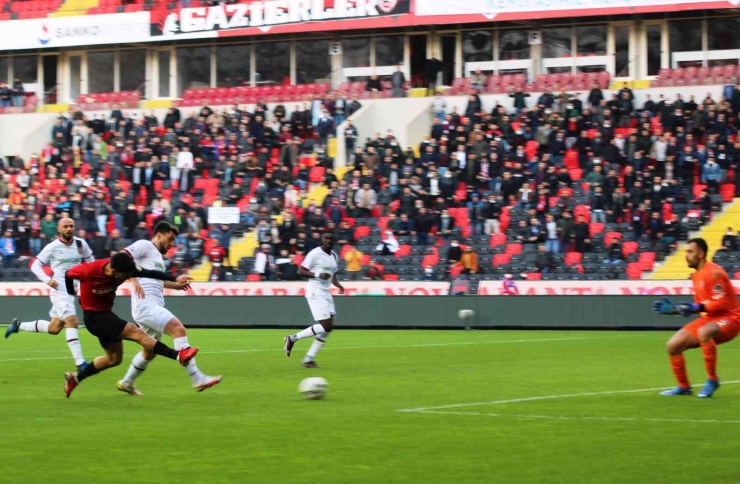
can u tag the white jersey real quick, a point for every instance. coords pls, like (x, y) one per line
(62, 257)
(319, 261)
(147, 256)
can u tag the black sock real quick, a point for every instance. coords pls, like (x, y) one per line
(87, 371)
(164, 350)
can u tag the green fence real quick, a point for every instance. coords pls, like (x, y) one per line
(578, 312)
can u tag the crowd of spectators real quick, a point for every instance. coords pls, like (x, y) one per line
(116, 174)
(537, 164)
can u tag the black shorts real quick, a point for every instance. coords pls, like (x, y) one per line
(105, 325)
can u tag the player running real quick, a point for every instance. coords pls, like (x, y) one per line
(320, 265)
(62, 254)
(715, 299)
(98, 283)
(147, 308)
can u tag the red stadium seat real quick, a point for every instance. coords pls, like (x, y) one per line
(629, 248)
(595, 228)
(501, 259)
(573, 258)
(514, 248)
(254, 278)
(534, 276)
(391, 277)
(362, 231)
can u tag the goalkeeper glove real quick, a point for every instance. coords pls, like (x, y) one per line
(665, 307)
(686, 308)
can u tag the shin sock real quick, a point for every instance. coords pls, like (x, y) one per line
(192, 368)
(309, 332)
(678, 365)
(73, 341)
(316, 346)
(162, 349)
(709, 349)
(87, 372)
(38, 326)
(136, 368)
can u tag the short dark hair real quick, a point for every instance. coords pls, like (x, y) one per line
(165, 228)
(123, 263)
(700, 243)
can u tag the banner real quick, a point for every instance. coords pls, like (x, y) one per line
(352, 288)
(223, 215)
(595, 288)
(259, 17)
(512, 9)
(75, 31)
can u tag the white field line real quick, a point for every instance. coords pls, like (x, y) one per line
(565, 417)
(424, 345)
(543, 397)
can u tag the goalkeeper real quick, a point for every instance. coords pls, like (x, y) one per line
(715, 299)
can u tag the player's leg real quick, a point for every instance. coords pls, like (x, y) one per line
(176, 330)
(320, 312)
(139, 364)
(684, 339)
(113, 356)
(318, 343)
(38, 326)
(718, 331)
(41, 325)
(72, 335)
(133, 333)
(146, 319)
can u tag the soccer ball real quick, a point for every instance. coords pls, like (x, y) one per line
(313, 388)
(465, 314)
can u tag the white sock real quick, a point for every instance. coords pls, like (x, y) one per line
(39, 326)
(196, 376)
(73, 341)
(309, 332)
(316, 346)
(136, 368)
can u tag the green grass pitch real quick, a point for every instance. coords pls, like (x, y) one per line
(530, 424)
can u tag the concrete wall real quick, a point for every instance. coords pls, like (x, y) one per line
(24, 134)
(491, 312)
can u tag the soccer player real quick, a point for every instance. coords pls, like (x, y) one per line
(62, 254)
(98, 283)
(715, 299)
(147, 308)
(320, 265)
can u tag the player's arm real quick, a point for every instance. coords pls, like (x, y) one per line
(77, 272)
(138, 290)
(337, 284)
(160, 276)
(87, 254)
(37, 267)
(177, 286)
(304, 272)
(723, 295)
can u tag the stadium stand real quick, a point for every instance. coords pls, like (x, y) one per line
(607, 188)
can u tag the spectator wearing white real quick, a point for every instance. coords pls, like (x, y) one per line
(365, 200)
(184, 164)
(659, 149)
(462, 157)
(264, 262)
(552, 244)
(389, 245)
(439, 105)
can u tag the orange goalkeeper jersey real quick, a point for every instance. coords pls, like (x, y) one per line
(713, 289)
